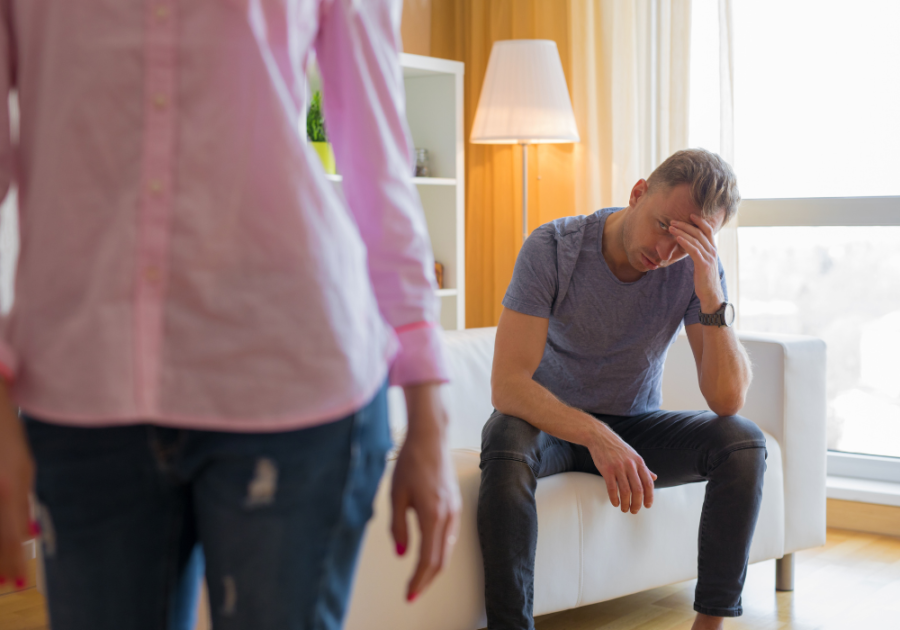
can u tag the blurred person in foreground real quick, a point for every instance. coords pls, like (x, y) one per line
(203, 332)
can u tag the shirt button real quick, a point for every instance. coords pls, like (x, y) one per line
(152, 275)
(162, 12)
(160, 101)
(155, 186)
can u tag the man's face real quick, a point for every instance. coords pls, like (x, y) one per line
(648, 242)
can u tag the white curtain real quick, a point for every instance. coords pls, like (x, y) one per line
(630, 86)
(728, 240)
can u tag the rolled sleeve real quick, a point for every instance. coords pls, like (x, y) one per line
(8, 362)
(421, 356)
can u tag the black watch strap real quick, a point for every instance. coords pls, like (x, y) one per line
(715, 319)
(718, 318)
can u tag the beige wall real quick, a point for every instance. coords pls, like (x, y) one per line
(415, 28)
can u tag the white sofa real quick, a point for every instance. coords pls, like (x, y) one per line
(587, 550)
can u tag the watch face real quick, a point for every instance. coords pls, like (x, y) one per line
(728, 315)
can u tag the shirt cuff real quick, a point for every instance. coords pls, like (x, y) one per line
(421, 355)
(8, 362)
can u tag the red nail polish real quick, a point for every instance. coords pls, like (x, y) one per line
(411, 597)
(20, 582)
(35, 528)
(401, 549)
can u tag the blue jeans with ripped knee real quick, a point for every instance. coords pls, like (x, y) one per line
(132, 515)
(680, 447)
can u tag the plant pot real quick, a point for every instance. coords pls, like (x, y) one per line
(326, 154)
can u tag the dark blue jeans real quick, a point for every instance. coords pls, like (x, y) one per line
(131, 514)
(680, 447)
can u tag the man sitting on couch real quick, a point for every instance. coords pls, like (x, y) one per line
(593, 306)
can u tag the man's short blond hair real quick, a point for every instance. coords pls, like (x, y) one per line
(712, 181)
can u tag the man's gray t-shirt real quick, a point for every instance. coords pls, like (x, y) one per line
(607, 339)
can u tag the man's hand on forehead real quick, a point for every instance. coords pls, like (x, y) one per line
(697, 239)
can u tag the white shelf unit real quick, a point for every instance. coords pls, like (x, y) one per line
(434, 113)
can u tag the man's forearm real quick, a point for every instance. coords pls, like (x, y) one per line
(724, 370)
(526, 399)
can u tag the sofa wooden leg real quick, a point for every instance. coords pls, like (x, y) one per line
(784, 573)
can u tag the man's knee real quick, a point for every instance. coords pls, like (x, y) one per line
(509, 438)
(738, 437)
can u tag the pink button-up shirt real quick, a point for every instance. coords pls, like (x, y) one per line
(183, 259)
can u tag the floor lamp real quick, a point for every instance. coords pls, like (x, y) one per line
(524, 100)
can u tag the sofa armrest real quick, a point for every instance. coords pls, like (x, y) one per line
(787, 400)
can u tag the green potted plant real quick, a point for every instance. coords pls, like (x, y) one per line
(315, 132)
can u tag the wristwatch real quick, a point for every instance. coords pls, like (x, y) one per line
(723, 317)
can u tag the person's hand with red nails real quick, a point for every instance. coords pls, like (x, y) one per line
(425, 480)
(697, 239)
(16, 480)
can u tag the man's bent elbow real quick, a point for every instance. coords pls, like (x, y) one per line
(498, 397)
(730, 406)
(504, 395)
(723, 411)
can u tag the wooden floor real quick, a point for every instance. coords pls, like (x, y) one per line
(853, 582)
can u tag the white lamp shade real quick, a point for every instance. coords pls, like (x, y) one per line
(524, 98)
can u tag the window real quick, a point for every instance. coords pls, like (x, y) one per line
(815, 95)
(841, 284)
(816, 144)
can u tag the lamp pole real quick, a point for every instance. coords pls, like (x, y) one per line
(524, 191)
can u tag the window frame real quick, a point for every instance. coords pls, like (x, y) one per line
(860, 466)
(820, 212)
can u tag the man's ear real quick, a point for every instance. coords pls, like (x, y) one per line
(639, 190)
